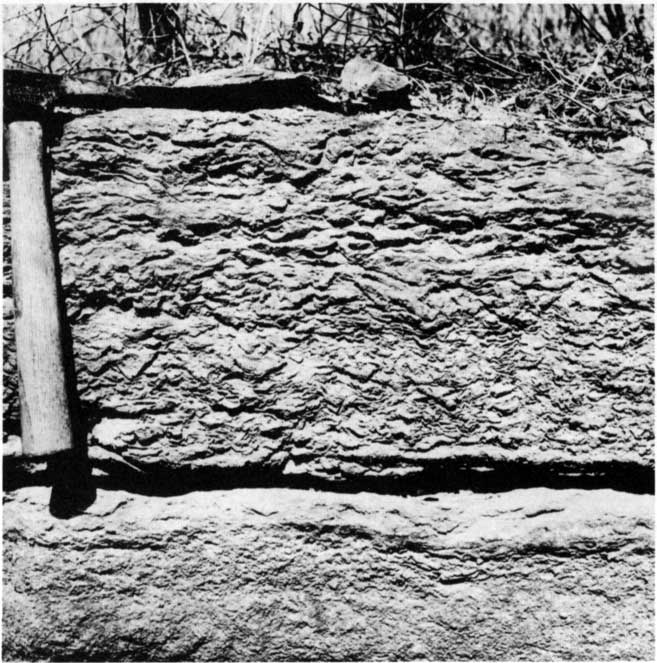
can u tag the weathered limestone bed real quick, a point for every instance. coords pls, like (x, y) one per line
(275, 574)
(282, 308)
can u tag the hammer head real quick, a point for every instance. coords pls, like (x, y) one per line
(28, 95)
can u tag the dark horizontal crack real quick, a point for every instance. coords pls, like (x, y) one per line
(436, 477)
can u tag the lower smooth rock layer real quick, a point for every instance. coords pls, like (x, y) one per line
(274, 574)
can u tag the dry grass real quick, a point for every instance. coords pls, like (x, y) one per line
(589, 67)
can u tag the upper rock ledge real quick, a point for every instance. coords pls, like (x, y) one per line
(348, 297)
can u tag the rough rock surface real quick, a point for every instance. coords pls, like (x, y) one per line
(297, 575)
(346, 297)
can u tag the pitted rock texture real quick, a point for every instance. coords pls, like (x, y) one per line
(296, 575)
(346, 297)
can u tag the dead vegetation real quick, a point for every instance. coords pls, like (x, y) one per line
(589, 68)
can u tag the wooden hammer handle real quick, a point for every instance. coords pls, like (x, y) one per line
(44, 404)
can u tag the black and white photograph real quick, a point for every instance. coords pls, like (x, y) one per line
(328, 332)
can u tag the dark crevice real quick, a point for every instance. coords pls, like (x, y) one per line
(448, 476)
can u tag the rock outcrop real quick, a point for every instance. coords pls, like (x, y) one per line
(297, 575)
(388, 297)
(405, 303)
